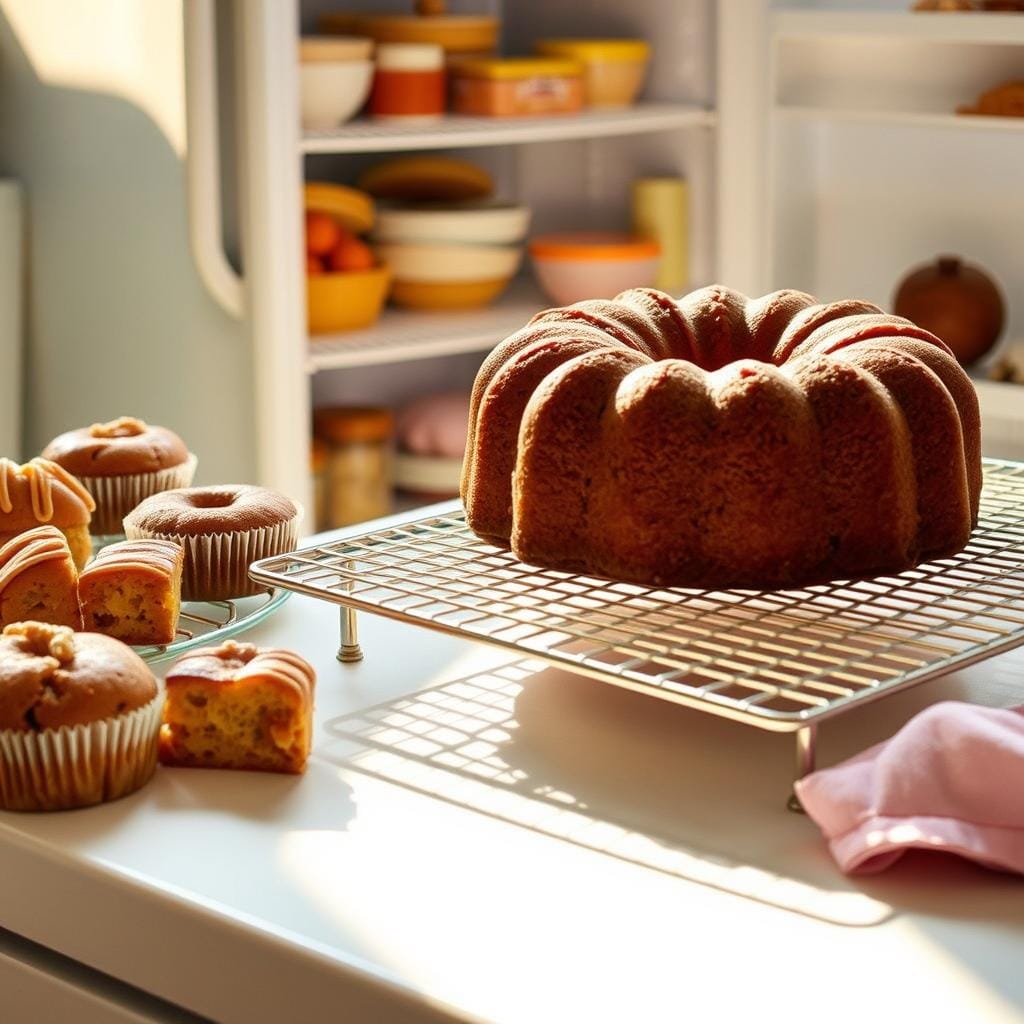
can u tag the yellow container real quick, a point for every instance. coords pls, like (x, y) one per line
(661, 212)
(516, 86)
(613, 69)
(346, 302)
(438, 295)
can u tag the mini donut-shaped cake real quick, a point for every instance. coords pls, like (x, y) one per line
(721, 441)
(121, 463)
(222, 529)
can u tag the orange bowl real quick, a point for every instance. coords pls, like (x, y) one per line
(346, 302)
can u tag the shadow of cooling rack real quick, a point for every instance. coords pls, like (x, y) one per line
(497, 743)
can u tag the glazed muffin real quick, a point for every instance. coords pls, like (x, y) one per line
(132, 591)
(79, 718)
(42, 492)
(239, 706)
(39, 579)
(223, 530)
(121, 463)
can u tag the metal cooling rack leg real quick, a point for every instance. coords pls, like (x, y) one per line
(806, 747)
(349, 650)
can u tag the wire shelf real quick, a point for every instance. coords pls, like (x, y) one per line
(455, 130)
(782, 660)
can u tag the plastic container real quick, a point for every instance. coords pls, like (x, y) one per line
(409, 82)
(593, 264)
(613, 69)
(661, 213)
(335, 77)
(516, 86)
(359, 466)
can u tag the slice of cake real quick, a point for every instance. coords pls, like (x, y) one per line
(239, 706)
(38, 579)
(132, 591)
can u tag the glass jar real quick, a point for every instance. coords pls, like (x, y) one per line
(318, 456)
(359, 469)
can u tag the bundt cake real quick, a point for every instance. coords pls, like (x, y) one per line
(721, 441)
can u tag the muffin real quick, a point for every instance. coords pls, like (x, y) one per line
(132, 591)
(38, 579)
(223, 530)
(43, 492)
(239, 706)
(120, 463)
(79, 718)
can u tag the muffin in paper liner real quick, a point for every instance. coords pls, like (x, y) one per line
(81, 765)
(116, 496)
(217, 564)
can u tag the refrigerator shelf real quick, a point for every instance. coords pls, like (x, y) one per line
(783, 661)
(403, 334)
(458, 131)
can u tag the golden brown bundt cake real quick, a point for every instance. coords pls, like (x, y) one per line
(721, 441)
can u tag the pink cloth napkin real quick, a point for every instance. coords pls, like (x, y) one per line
(951, 779)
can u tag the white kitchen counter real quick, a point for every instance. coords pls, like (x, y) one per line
(382, 886)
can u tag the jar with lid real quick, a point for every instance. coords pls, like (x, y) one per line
(359, 462)
(409, 83)
(318, 454)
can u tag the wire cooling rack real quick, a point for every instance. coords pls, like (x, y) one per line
(783, 660)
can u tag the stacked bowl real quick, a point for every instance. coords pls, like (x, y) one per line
(458, 255)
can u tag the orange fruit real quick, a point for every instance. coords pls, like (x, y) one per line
(351, 254)
(313, 265)
(322, 233)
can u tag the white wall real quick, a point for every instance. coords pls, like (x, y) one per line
(117, 322)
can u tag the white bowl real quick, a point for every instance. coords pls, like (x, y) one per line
(569, 281)
(482, 223)
(430, 262)
(333, 92)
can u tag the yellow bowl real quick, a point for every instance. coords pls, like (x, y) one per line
(438, 295)
(346, 302)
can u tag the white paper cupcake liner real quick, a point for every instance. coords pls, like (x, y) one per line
(81, 765)
(116, 496)
(217, 564)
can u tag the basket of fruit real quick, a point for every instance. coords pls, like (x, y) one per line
(345, 286)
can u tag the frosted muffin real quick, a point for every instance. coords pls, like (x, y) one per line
(79, 717)
(121, 463)
(41, 492)
(223, 529)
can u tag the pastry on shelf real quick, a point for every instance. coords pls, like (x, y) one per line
(38, 579)
(223, 529)
(132, 591)
(41, 492)
(721, 441)
(1006, 100)
(239, 706)
(79, 718)
(120, 463)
